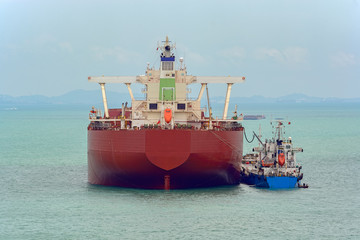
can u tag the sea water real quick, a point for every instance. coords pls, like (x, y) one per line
(44, 192)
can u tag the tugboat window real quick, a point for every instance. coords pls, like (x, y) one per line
(181, 106)
(153, 106)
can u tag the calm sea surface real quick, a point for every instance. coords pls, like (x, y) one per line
(44, 192)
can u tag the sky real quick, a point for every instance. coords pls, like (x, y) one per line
(281, 47)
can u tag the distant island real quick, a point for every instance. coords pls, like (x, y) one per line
(84, 97)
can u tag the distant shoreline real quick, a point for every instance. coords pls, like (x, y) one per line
(86, 98)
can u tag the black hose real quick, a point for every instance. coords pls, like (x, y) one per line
(247, 138)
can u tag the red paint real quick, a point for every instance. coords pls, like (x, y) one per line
(166, 182)
(141, 159)
(167, 115)
(281, 159)
(268, 164)
(116, 113)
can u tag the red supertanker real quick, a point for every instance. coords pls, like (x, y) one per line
(164, 141)
(153, 158)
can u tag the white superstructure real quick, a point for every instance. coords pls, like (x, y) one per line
(166, 88)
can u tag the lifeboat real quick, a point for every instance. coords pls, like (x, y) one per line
(168, 115)
(281, 159)
(266, 164)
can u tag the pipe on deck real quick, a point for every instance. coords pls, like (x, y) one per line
(208, 101)
(226, 106)
(203, 85)
(106, 110)
(130, 91)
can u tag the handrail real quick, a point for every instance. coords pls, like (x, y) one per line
(118, 119)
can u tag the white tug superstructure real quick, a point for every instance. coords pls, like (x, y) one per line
(274, 163)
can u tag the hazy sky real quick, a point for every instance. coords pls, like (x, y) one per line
(281, 47)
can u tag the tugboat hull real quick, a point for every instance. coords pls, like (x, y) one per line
(282, 182)
(273, 182)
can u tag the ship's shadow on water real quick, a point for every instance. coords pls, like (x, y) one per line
(272, 190)
(192, 192)
(168, 194)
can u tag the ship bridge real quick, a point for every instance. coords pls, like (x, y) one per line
(167, 88)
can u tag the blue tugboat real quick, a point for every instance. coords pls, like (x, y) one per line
(273, 165)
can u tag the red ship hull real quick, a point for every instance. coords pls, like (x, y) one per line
(164, 159)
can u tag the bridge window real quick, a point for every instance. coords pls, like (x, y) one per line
(167, 66)
(153, 106)
(181, 106)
